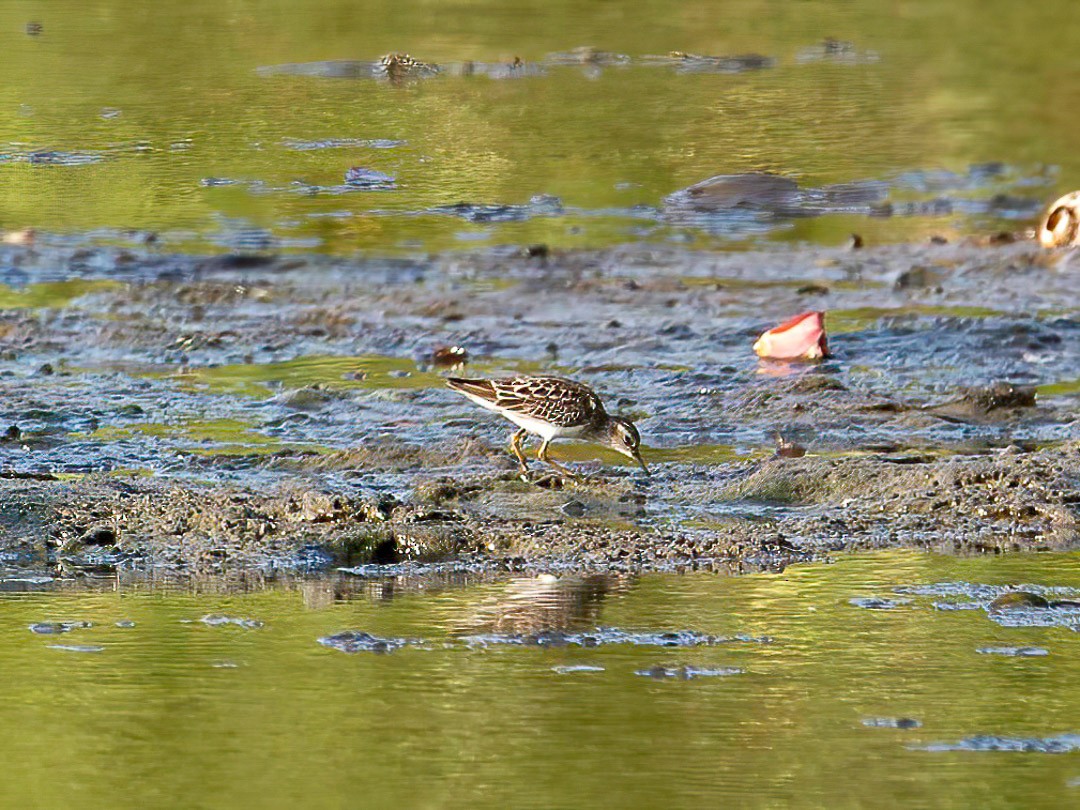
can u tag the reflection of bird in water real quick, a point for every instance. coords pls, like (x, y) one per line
(529, 605)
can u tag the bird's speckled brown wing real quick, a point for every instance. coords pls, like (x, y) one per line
(560, 402)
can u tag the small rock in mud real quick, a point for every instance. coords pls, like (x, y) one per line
(919, 277)
(1015, 652)
(572, 668)
(125, 624)
(99, 536)
(891, 722)
(573, 509)
(353, 641)
(984, 402)
(221, 620)
(877, 603)
(53, 628)
(785, 448)
(1019, 600)
(687, 673)
(306, 399)
(1059, 744)
(80, 648)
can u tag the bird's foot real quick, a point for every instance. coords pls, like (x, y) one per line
(552, 479)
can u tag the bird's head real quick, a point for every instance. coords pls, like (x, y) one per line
(624, 438)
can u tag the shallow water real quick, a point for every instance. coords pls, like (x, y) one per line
(230, 126)
(769, 689)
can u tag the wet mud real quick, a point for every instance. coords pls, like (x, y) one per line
(288, 413)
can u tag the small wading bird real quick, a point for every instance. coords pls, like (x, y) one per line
(552, 408)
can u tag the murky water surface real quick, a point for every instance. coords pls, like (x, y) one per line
(826, 685)
(251, 125)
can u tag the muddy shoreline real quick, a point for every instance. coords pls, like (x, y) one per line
(283, 413)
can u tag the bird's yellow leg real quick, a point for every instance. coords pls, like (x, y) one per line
(542, 454)
(515, 446)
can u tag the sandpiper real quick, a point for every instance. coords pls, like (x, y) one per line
(552, 408)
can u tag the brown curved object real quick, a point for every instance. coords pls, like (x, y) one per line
(1060, 225)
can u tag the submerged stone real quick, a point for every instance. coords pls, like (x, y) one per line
(54, 628)
(876, 603)
(1060, 744)
(353, 641)
(359, 177)
(687, 673)
(891, 722)
(220, 620)
(606, 635)
(1019, 600)
(1016, 652)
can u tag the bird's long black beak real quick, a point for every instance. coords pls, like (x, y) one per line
(641, 461)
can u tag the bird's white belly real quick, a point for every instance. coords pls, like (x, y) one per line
(544, 430)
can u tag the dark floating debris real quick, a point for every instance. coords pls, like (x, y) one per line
(539, 205)
(54, 628)
(221, 620)
(341, 143)
(836, 50)
(688, 673)
(586, 55)
(608, 635)
(449, 356)
(52, 158)
(1059, 744)
(1007, 606)
(756, 200)
(877, 603)
(354, 641)
(360, 177)
(892, 722)
(697, 63)
(514, 69)
(1015, 652)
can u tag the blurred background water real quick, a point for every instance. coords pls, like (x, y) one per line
(179, 119)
